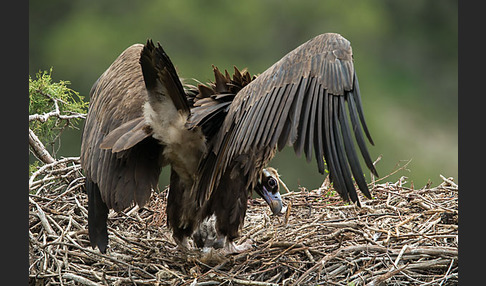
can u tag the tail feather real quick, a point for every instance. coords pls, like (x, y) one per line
(161, 78)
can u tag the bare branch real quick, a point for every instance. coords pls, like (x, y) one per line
(39, 149)
(45, 116)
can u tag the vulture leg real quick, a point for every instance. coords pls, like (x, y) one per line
(231, 248)
(228, 205)
(225, 211)
(206, 235)
(181, 228)
(233, 196)
(267, 188)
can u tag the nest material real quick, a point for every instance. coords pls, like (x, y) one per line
(403, 236)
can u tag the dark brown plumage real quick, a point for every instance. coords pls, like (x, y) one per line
(127, 173)
(219, 137)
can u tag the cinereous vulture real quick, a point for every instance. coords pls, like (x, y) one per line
(218, 137)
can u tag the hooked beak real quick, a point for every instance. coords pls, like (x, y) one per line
(273, 199)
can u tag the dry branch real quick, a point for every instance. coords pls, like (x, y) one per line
(39, 149)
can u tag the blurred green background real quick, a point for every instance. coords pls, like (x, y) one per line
(405, 55)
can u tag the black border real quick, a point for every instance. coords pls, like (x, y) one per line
(472, 110)
(14, 118)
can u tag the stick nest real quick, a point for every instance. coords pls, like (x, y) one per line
(403, 236)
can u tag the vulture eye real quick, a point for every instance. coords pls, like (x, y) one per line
(272, 183)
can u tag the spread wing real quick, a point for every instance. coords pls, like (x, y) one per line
(310, 100)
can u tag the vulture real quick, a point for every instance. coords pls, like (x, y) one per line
(219, 137)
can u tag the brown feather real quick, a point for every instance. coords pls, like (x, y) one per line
(126, 135)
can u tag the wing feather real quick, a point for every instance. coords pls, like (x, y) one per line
(301, 129)
(259, 112)
(319, 129)
(358, 133)
(239, 139)
(350, 150)
(332, 157)
(340, 152)
(359, 107)
(282, 121)
(296, 110)
(312, 116)
(161, 78)
(269, 103)
(286, 128)
(279, 106)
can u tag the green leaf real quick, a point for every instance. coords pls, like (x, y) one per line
(43, 96)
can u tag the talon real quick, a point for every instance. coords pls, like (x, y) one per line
(231, 248)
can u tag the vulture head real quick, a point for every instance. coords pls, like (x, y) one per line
(216, 139)
(268, 188)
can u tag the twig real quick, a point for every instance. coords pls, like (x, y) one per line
(79, 279)
(387, 275)
(244, 282)
(42, 216)
(394, 171)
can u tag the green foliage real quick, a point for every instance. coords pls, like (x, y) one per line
(54, 105)
(34, 166)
